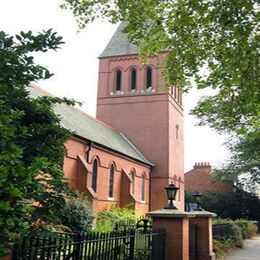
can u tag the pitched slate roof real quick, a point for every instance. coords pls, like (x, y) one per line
(119, 44)
(91, 129)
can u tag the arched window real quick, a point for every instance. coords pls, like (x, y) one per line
(143, 188)
(133, 78)
(149, 77)
(118, 79)
(133, 182)
(111, 181)
(94, 175)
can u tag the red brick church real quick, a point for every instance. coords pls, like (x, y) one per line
(134, 148)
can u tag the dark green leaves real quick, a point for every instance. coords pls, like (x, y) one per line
(212, 43)
(16, 61)
(31, 139)
(219, 37)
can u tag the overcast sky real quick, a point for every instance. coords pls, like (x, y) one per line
(75, 67)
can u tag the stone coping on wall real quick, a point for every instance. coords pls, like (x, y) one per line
(169, 213)
(203, 213)
(175, 213)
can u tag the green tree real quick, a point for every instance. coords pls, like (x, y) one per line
(77, 214)
(31, 139)
(243, 167)
(212, 43)
(232, 205)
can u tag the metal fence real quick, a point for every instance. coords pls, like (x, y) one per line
(221, 231)
(131, 244)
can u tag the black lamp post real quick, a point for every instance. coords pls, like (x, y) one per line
(198, 196)
(171, 191)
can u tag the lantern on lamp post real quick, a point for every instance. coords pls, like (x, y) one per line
(171, 191)
(198, 196)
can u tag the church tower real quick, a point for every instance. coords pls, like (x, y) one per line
(132, 99)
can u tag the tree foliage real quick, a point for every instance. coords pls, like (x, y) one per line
(243, 167)
(232, 205)
(108, 219)
(31, 139)
(211, 42)
(77, 214)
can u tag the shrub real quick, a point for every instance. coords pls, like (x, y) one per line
(77, 214)
(107, 219)
(221, 247)
(233, 205)
(236, 234)
(248, 228)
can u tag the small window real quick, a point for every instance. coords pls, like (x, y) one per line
(94, 175)
(143, 188)
(149, 77)
(118, 79)
(133, 79)
(172, 90)
(133, 182)
(177, 131)
(111, 181)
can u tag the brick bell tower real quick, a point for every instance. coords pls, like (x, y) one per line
(132, 99)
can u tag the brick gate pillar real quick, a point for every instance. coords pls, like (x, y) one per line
(203, 222)
(176, 225)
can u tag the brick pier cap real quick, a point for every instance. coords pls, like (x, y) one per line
(170, 213)
(176, 223)
(175, 213)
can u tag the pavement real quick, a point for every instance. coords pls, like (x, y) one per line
(250, 251)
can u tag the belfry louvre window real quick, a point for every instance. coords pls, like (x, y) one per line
(111, 181)
(149, 77)
(133, 79)
(94, 175)
(118, 79)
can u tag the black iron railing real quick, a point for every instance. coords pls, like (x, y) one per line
(221, 231)
(126, 245)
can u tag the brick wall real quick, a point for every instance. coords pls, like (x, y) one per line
(78, 173)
